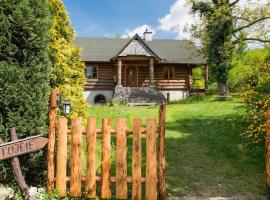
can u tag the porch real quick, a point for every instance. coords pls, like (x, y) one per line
(135, 71)
(143, 71)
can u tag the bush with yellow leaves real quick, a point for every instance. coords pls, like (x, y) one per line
(256, 100)
(68, 74)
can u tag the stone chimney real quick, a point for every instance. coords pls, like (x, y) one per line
(148, 35)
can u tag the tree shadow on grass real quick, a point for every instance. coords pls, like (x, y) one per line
(205, 157)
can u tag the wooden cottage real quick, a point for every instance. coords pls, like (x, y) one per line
(134, 70)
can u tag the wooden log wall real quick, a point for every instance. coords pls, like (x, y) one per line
(107, 71)
(105, 77)
(154, 167)
(178, 82)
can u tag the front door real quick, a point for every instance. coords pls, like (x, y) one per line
(131, 77)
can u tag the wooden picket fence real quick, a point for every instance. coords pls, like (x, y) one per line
(154, 180)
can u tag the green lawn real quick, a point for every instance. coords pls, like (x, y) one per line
(204, 153)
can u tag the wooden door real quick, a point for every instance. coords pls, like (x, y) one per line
(131, 77)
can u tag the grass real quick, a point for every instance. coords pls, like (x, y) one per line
(205, 156)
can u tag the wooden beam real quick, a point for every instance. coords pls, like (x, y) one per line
(206, 72)
(151, 72)
(119, 72)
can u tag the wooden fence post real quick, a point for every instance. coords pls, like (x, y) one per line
(51, 135)
(151, 161)
(61, 165)
(161, 154)
(76, 158)
(106, 159)
(91, 159)
(268, 149)
(121, 159)
(136, 161)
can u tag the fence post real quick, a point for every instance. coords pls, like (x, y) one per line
(268, 149)
(61, 165)
(121, 159)
(161, 153)
(51, 135)
(106, 159)
(136, 161)
(151, 161)
(91, 159)
(76, 159)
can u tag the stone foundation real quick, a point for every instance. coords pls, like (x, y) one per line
(89, 96)
(143, 95)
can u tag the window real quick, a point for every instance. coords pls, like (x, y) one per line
(169, 73)
(91, 72)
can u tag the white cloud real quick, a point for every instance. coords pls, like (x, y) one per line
(176, 20)
(139, 30)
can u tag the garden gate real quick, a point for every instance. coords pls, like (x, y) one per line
(154, 180)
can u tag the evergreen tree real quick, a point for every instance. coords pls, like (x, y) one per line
(68, 71)
(24, 75)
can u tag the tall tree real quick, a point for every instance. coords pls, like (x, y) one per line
(223, 26)
(24, 73)
(68, 72)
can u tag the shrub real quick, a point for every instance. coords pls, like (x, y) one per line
(24, 76)
(198, 78)
(245, 65)
(256, 100)
(68, 72)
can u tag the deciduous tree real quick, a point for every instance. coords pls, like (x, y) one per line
(223, 25)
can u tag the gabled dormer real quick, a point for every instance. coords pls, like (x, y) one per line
(137, 47)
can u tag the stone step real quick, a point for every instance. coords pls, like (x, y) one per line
(138, 96)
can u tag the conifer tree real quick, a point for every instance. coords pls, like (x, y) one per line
(24, 73)
(68, 72)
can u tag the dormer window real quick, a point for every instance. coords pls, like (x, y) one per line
(91, 72)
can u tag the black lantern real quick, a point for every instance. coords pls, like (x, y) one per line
(66, 107)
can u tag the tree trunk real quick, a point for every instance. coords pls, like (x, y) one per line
(222, 88)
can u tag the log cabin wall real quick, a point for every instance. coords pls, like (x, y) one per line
(107, 71)
(105, 77)
(179, 80)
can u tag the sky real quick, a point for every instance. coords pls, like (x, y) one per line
(108, 18)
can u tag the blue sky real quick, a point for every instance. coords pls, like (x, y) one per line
(98, 18)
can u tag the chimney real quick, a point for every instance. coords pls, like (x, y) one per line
(148, 36)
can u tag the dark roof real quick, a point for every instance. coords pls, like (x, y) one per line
(169, 51)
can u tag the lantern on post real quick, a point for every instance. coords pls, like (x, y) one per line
(64, 105)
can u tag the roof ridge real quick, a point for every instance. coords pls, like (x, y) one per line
(116, 38)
